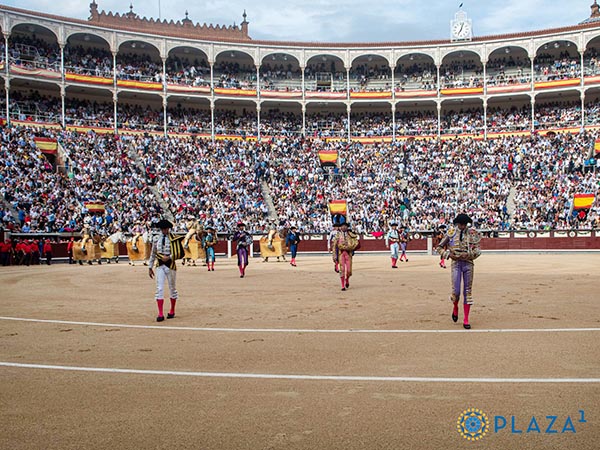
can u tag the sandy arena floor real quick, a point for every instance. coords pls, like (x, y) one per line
(396, 380)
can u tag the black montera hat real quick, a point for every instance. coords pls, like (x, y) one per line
(462, 219)
(164, 223)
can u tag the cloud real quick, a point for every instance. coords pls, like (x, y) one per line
(349, 21)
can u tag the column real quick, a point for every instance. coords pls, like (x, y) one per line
(212, 115)
(212, 81)
(63, 94)
(303, 85)
(581, 52)
(7, 89)
(393, 122)
(484, 77)
(116, 123)
(114, 69)
(165, 103)
(258, 121)
(303, 117)
(532, 113)
(393, 69)
(439, 112)
(258, 81)
(485, 119)
(532, 75)
(6, 61)
(439, 84)
(348, 108)
(582, 110)
(62, 62)
(347, 84)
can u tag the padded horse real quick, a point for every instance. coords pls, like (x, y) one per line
(273, 244)
(141, 251)
(192, 243)
(111, 247)
(92, 251)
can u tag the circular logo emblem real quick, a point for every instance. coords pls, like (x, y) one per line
(473, 424)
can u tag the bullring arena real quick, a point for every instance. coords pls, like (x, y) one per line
(283, 359)
(114, 124)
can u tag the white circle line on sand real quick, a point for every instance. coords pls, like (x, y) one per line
(268, 376)
(300, 330)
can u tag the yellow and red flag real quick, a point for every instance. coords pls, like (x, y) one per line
(338, 207)
(46, 145)
(597, 146)
(583, 201)
(328, 158)
(94, 207)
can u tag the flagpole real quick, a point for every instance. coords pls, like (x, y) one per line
(159, 18)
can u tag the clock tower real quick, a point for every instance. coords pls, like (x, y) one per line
(461, 27)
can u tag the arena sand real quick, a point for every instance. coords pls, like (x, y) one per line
(58, 409)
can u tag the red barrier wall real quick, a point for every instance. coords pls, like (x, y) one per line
(512, 241)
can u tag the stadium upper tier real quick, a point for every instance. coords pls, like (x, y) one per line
(183, 69)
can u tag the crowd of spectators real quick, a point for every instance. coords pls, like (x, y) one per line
(38, 197)
(218, 183)
(522, 182)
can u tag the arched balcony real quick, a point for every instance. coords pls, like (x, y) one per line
(508, 70)
(415, 72)
(461, 69)
(234, 70)
(187, 67)
(555, 61)
(88, 55)
(33, 51)
(370, 73)
(280, 73)
(326, 74)
(138, 62)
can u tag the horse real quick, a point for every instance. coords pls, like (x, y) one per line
(139, 252)
(192, 243)
(273, 244)
(111, 247)
(91, 252)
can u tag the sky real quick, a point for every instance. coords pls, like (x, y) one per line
(343, 21)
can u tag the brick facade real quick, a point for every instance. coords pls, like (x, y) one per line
(182, 28)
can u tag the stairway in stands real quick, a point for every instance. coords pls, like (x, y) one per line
(510, 203)
(166, 212)
(266, 192)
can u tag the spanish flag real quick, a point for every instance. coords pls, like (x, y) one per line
(597, 146)
(338, 207)
(328, 158)
(94, 207)
(583, 201)
(46, 145)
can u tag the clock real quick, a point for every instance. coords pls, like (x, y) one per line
(461, 30)
(461, 27)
